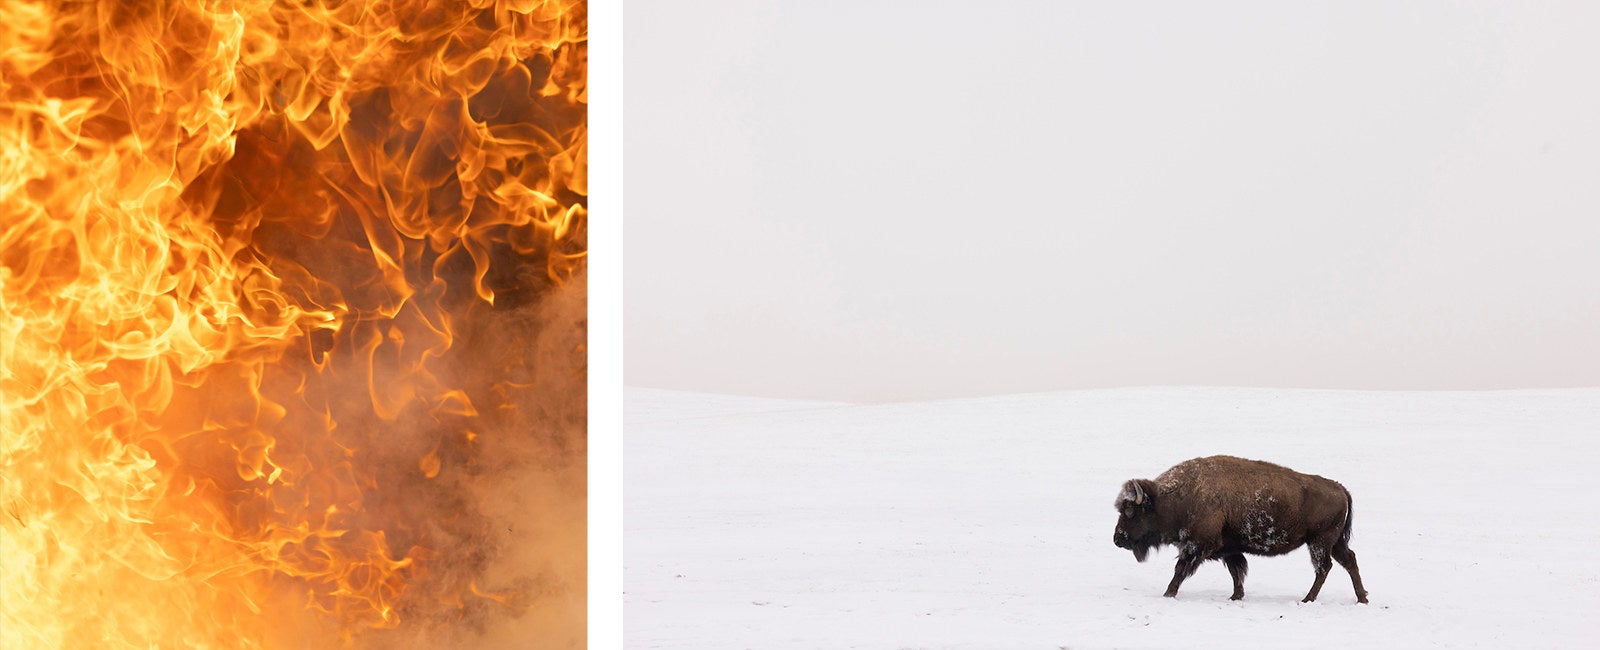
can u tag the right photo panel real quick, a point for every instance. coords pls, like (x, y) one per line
(1032, 324)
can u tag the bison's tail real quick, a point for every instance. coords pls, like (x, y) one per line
(1349, 519)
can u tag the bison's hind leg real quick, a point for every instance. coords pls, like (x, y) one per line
(1321, 564)
(1237, 567)
(1347, 559)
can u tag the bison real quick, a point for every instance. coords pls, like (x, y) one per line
(1222, 507)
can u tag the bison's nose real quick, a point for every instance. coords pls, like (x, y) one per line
(1120, 539)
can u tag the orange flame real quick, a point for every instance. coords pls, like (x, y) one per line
(288, 290)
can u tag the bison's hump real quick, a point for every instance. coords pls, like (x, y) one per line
(1224, 471)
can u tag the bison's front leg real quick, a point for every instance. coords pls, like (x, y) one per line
(1189, 560)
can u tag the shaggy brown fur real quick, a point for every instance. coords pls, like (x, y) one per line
(1222, 507)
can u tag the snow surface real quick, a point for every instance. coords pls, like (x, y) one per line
(986, 523)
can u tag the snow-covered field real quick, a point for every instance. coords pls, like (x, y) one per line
(986, 523)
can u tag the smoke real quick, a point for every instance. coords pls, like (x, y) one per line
(505, 514)
(475, 487)
(533, 494)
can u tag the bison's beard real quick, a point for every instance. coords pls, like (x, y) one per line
(1141, 547)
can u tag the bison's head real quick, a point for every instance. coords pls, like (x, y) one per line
(1136, 522)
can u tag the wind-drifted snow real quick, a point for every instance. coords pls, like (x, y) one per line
(984, 523)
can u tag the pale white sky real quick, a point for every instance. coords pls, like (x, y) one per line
(873, 200)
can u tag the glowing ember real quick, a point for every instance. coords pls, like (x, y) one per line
(292, 312)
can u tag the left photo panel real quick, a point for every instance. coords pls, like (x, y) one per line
(293, 316)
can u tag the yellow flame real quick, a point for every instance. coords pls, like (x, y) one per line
(218, 216)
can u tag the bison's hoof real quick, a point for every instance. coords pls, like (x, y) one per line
(1362, 599)
(1171, 594)
(1236, 597)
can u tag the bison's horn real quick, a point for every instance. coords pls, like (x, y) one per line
(1133, 493)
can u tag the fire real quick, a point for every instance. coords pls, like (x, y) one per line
(291, 305)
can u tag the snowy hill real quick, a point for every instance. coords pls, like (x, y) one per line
(653, 404)
(986, 523)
